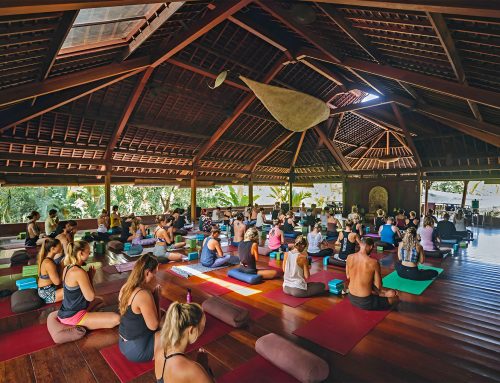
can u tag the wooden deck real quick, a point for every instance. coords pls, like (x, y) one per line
(448, 334)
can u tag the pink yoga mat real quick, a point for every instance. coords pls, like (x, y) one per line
(326, 276)
(255, 370)
(6, 312)
(279, 296)
(213, 288)
(341, 327)
(24, 341)
(124, 369)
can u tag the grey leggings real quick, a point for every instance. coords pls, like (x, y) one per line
(313, 288)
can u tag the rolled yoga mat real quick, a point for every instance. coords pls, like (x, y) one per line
(394, 281)
(345, 325)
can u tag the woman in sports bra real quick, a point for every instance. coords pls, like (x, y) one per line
(48, 276)
(410, 254)
(164, 239)
(138, 231)
(79, 295)
(140, 311)
(169, 229)
(186, 324)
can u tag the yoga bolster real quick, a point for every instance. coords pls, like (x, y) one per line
(62, 333)
(291, 235)
(294, 360)
(25, 300)
(19, 257)
(226, 311)
(135, 250)
(115, 246)
(434, 253)
(336, 262)
(252, 279)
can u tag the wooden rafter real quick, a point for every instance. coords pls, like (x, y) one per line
(333, 149)
(409, 139)
(268, 151)
(361, 105)
(336, 127)
(242, 106)
(439, 24)
(297, 150)
(374, 142)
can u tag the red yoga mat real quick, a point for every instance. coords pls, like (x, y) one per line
(110, 287)
(279, 296)
(341, 327)
(11, 270)
(24, 341)
(326, 276)
(124, 369)
(214, 329)
(259, 370)
(255, 313)
(213, 288)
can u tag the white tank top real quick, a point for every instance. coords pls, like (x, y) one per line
(260, 220)
(460, 224)
(294, 274)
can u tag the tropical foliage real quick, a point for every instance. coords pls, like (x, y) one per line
(233, 197)
(280, 193)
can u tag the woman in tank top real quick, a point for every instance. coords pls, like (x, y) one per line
(248, 251)
(332, 224)
(276, 241)
(48, 275)
(347, 241)
(140, 311)
(379, 220)
(32, 230)
(413, 221)
(461, 228)
(410, 254)
(186, 322)
(316, 241)
(79, 295)
(296, 271)
(139, 234)
(163, 239)
(389, 235)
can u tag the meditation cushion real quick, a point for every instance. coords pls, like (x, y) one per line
(62, 333)
(226, 311)
(294, 360)
(115, 246)
(336, 262)
(19, 257)
(291, 235)
(435, 253)
(25, 300)
(252, 279)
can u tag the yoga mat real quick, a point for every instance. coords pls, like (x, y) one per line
(11, 270)
(213, 288)
(214, 329)
(259, 370)
(372, 235)
(119, 268)
(110, 269)
(24, 341)
(326, 276)
(255, 313)
(12, 246)
(394, 281)
(109, 287)
(279, 296)
(341, 327)
(124, 369)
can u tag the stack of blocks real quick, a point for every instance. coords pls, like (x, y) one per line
(200, 237)
(336, 286)
(380, 249)
(192, 243)
(26, 283)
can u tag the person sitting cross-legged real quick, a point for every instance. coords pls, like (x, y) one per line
(248, 251)
(317, 244)
(211, 253)
(389, 235)
(410, 254)
(365, 280)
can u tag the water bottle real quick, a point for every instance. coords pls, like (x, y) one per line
(188, 296)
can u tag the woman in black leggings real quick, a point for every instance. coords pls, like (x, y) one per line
(410, 254)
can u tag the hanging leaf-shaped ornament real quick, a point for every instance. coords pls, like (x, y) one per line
(219, 80)
(296, 111)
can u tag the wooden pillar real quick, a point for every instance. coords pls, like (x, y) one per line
(107, 189)
(250, 191)
(290, 195)
(193, 198)
(464, 194)
(426, 196)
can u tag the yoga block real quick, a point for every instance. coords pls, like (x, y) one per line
(463, 245)
(223, 227)
(25, 300)
(26, 283)
(192, 256)
(192, 243)
(226, 311)
(252, 279)
(273, 254)
(21, 235)
(367, 230)
(455, 247)
(62, 333)
(127, 246)
(294, 360)
(148, 236)
(335, 291)
(380, 249)
(337, 284)
(30, 271)
(325, 260)
(200, 237)
(178, 238)
(116, 246)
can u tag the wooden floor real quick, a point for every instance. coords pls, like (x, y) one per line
(448, 334)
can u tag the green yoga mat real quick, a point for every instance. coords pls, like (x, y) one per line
(394, 281)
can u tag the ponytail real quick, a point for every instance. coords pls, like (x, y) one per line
(179, 317)
(47, 245)
(74, 249)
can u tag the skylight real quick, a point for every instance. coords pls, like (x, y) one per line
(106, 26)
(369, 97)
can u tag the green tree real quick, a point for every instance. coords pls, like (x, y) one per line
(233, 197)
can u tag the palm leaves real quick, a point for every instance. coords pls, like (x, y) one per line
(234, 197)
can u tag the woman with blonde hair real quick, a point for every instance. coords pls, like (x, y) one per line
(410, 254)
(48, 276)
(79, 295)
(140, 311)
(248, 251)
(296, 268)
(163, 235)
(138, 231)
(186, 322)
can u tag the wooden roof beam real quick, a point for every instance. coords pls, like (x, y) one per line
(409, 139)
(297, 150)
(240, 108)
(439, 24)
(333, 149)
(360, 105)
(374, 142)
(270, 150)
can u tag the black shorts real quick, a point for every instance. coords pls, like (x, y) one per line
(371, 302)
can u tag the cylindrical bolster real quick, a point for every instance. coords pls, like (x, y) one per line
(226, 311)
(301, 364)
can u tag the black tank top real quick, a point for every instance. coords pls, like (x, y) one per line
(245, 254)
(73, 300)
(346, 247)
(132, 325)
(288, 228)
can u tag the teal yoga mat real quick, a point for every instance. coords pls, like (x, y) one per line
(394, 281)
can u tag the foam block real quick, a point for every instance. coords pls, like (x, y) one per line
(226, 311)
(192, 256)
(296, 361)
(62, 333)
(30, 271)
(252, 279)
(26, 283)
(325, 260)
(178, 238)
(192, 243)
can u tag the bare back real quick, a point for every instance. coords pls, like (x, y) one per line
(363, 273)
(239, 231)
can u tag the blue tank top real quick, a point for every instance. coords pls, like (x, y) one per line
(387, 235)
(208, 256)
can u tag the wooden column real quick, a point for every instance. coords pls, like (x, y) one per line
(426, 196)
(250, 191)
(464, 194)
(193, 198)
(107, 188)
(290, 195)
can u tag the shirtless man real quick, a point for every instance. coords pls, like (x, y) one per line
(239, 229)
(365, 280)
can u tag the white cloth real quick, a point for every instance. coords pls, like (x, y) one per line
(314, 241)
(215, 215)
(260, 219)
(294, 274)
(102, 228)
(459, 224)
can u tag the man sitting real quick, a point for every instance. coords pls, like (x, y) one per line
(365, 280)
(446, 229)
